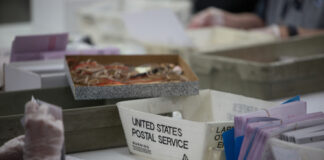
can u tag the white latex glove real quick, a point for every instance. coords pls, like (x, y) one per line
(44, 134)
(13, 149)
(209, 17)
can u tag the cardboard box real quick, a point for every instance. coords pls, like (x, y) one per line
(61, 13)
(88, 125)
(267, 71)
(34, 74)
(221, 38)
(104, 21)
(135, 90)
(197, 136)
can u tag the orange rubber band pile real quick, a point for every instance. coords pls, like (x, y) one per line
(91, 73)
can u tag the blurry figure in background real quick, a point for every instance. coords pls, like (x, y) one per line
(282, 18)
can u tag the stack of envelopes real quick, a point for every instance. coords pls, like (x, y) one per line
(256, 134)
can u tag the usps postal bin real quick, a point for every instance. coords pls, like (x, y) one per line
(279, 150)
(196, 136)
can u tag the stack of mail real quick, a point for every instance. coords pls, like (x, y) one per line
(307, 135)
(49, 46)
(257, 135)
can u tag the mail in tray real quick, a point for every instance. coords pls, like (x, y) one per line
(121, 76)
(187, 127)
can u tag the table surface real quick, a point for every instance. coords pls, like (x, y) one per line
(315, 102)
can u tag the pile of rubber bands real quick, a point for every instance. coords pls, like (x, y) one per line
(92, 73)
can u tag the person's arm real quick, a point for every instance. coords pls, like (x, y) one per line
(216, 17)
(286, 31)
(244, 21)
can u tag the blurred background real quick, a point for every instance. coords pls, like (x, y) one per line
(267, 49)
(99, 19)
(185, 27)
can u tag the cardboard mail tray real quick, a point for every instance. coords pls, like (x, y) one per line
(267, 71)
(189, 87)
(198, 135)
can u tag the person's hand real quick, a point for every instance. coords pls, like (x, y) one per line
(209, 17)
(13, 149)
(217, 17)
(44, 132)
(44, 135)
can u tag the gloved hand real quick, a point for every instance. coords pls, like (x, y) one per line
(13, 149)
(217, 17)
(209, 17)
(44, 134)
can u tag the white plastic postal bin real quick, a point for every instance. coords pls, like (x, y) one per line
(282, 150)
(196, 136)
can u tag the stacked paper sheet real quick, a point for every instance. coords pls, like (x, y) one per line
(50, 46)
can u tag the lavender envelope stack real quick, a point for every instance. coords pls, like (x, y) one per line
(26, 48)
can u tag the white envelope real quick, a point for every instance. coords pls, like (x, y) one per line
(281, 150)
(34, 75)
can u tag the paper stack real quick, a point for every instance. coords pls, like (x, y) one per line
(261, 134)
(49, 46)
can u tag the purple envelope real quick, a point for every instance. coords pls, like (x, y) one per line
(25, 48)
